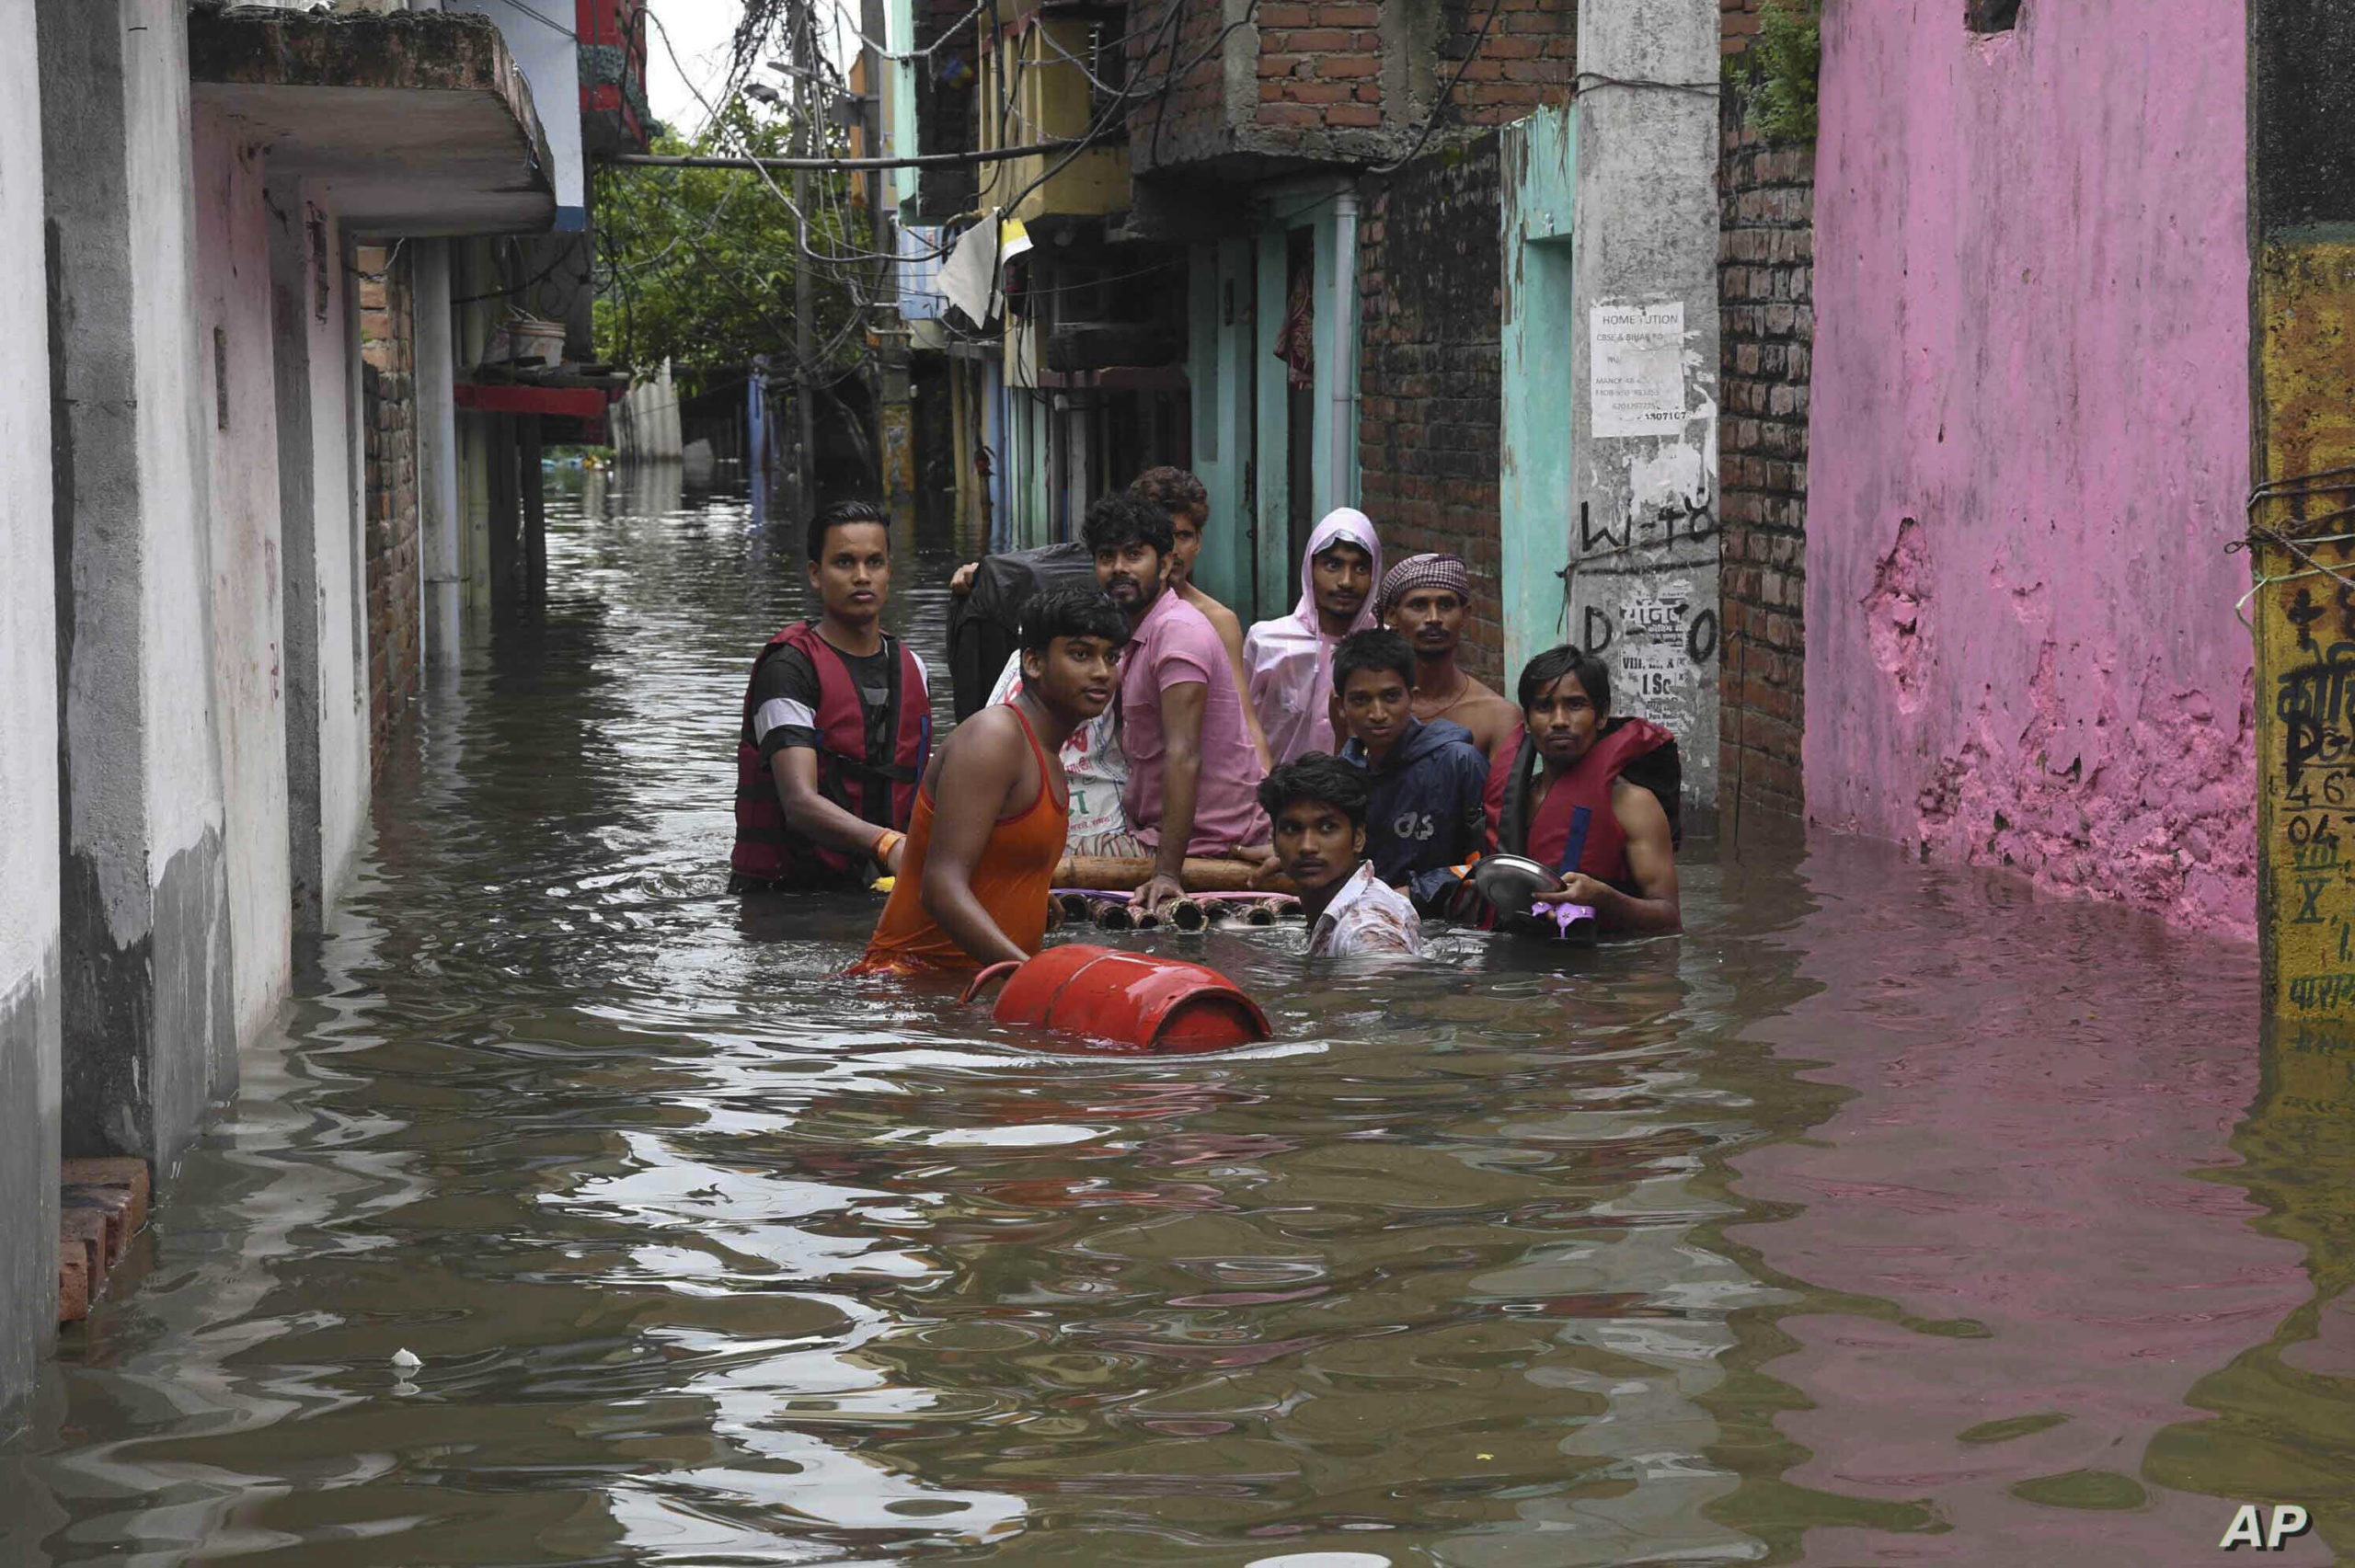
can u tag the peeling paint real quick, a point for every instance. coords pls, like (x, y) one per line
(2028, 445)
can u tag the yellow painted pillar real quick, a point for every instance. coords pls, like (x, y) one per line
(2302, 544)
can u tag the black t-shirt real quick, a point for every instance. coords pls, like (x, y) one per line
(785, 698)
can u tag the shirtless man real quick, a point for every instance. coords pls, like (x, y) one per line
(1426, 598)
(989, 819)
(1183, 497)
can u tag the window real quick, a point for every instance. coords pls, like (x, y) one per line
(1992, 16)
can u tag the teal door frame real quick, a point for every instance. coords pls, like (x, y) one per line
(1539, 158)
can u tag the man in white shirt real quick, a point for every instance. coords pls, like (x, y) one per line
(1317, 804)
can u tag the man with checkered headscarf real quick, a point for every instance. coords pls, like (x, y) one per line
(1426, 600)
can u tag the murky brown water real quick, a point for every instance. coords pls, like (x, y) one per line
(1887, 1216)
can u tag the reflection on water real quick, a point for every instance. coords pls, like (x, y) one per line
(1886, 1217)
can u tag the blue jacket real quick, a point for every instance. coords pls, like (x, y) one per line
(1427, 812)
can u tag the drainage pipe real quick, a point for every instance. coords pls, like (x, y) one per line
(1342, 352)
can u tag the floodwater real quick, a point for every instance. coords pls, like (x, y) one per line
(1887, 1215)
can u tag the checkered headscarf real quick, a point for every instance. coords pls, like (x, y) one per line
(1427, 570)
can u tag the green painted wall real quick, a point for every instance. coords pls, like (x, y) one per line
(1540, 162)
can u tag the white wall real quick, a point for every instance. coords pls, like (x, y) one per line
(173, 391)
(233, 331)
(342, 567)
(28, 842)
(539, 34)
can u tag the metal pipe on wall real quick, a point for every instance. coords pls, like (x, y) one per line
(1342, 352)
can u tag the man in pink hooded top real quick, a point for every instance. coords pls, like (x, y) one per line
(1291, 657)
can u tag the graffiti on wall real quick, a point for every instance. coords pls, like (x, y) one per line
(2307, 787)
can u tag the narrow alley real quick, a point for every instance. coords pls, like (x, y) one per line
(1742, 1245)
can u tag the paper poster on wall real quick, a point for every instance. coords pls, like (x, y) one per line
(1637, 360)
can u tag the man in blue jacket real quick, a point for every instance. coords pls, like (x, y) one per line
(1427, 778)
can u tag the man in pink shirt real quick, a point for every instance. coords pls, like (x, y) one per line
(1193, 773)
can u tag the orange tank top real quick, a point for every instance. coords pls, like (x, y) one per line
(1012, 879)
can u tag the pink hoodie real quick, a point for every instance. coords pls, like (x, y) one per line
(1291, 659)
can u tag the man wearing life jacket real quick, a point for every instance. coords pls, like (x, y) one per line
(837, 726)
(1590, 795)
(991, 819)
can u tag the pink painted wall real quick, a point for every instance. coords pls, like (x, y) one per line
(2032, 339)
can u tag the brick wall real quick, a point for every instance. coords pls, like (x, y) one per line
(1766, 256)
(1320, 64)
(1429, 381)
(1338, 80)
(388, 409)
(1529, 60)
(1188, 120)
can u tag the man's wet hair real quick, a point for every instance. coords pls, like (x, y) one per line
(840, 514)
(1342, 542)
(1316, 775)
(1070, 611)
(1117, 521)
(1540, 672)
(1377, 649)
(1173, 490)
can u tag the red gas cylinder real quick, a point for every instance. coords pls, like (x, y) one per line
(1127, 1004)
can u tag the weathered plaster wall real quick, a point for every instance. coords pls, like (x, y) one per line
(342, 650)
(28, 846)
(234, 327)
(147, 985)
(1642, 527)
(2028, 445)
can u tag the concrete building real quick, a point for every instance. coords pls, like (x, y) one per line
(205, 629)
(1339, 254)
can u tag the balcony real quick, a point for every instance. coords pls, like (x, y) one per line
(1050, 76)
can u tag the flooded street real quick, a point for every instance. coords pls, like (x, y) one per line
(1890, 1215)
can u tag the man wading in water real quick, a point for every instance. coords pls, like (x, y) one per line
(837, 725)
(1192, 770)
(1317, 804)
(1568, 796)
(1425, 599)
(990, 820)
(1186, 501)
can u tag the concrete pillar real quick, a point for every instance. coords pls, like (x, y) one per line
(506, 533)
(30, 937)
(294, 300)
(436, 459)
(532, 481)
(2302, 286)
(1643, 524)
(148, 1039)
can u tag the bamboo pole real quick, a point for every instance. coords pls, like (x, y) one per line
(1202, 875)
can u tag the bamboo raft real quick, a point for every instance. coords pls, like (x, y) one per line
(1099, 890)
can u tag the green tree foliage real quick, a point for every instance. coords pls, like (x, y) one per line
(697, 265)
(1784, 63)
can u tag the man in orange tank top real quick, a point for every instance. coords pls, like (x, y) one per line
(990, 820)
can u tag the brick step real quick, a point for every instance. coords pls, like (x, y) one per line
(102, 1204)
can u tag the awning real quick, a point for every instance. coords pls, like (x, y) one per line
(413, 122)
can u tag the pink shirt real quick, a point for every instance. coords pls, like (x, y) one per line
(1176, 644)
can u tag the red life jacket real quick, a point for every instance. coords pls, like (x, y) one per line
(1575, 828)
(881, 789)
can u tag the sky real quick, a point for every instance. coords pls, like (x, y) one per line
(699, 31)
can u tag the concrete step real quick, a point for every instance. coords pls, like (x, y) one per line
(102, 1204)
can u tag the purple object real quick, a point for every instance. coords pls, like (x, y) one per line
(1568, 918)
